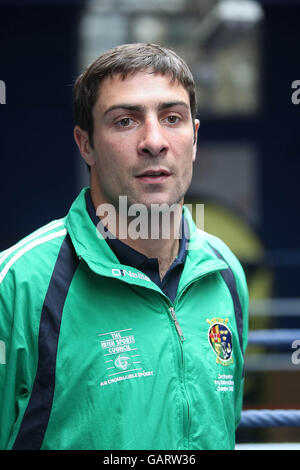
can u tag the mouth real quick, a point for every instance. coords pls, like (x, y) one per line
(154, 176)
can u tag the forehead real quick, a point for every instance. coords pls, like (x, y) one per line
(141, 88)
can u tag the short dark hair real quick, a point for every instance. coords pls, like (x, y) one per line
(125, 60)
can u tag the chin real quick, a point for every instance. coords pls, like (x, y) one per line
(157, 200)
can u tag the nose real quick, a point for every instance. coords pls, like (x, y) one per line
(153, 142)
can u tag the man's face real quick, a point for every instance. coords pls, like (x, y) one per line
(143, 140)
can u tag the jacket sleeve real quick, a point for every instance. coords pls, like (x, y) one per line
(16, 358)
(7, 388)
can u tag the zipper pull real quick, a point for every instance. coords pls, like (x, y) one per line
(179, 330)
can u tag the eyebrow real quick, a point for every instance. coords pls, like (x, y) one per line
(141, 108)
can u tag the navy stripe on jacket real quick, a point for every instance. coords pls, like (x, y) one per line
(37, 413)
(229, 279)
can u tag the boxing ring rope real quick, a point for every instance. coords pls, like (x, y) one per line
(282, 339)
(269, 418)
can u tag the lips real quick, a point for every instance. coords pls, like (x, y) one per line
(154, 176)
(155, 173)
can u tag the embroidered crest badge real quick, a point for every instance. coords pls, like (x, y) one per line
(220, 339)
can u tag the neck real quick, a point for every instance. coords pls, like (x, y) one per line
(156, 234)
(164, 250)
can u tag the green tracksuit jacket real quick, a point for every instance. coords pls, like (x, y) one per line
(93, 355)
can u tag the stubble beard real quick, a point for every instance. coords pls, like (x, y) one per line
(160, 215)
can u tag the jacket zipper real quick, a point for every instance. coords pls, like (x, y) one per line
(186, 418)
(177, 326)
(182, 339)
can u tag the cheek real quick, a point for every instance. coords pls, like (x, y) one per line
(188, 172)
(185, 157)
(118, 152)
(183, 146)
(108, 158)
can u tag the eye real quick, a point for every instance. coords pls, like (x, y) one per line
(172, 119)
(124, 122)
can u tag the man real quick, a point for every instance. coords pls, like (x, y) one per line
(110, 340)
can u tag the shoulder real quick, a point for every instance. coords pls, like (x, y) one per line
(34, 254)
(222, 250)
(210, 246)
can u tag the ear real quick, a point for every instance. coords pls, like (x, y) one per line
(82, 140)
(196, 128)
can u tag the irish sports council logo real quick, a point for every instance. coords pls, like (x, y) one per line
(220, 339)
(121, 357)
(123, 362)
